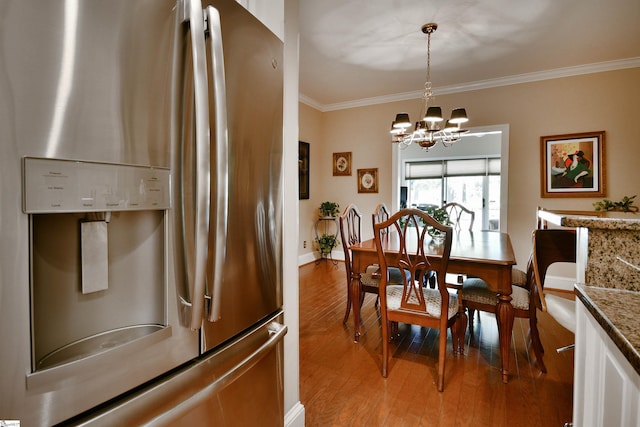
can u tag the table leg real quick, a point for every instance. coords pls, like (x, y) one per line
(504, 315)
(355, 305)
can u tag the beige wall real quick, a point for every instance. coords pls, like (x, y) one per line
(310, 130)
(608, 101)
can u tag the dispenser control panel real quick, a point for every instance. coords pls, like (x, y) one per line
(53, 185)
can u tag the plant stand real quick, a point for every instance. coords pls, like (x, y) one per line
(326, 225)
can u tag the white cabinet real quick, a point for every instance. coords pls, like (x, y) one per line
(606, 386)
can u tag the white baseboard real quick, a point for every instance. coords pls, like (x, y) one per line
(295, 416)
(306, 258)
(312, 256)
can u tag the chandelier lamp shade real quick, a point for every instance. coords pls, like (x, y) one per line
(429, 130)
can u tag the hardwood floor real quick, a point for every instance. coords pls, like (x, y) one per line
(341, 383)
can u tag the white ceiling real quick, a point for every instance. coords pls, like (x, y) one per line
(354, 50)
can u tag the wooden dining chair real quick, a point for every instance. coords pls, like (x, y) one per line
(380, 213)
(350, 233)
(459, 215)
(411, 302)
(350, 224)
(549, 247)
(478, 292)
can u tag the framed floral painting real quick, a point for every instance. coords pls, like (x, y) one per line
(572, 165)
(341, 164)
(368, 180)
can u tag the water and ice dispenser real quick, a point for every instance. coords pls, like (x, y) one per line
(98, 238)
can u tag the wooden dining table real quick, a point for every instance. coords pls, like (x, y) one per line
(484, 254)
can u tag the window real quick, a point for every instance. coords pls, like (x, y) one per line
(472, 182)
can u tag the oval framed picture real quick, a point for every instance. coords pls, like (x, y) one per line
(342, 164)
(368, 180)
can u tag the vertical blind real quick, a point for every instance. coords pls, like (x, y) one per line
(446, 168)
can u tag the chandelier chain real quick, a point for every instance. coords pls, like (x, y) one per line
(427, 86)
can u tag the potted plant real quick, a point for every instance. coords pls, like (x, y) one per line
(329, 209)
(439, 215)
(624, 205)
(326, 243)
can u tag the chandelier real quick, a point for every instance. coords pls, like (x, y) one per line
(427, 131)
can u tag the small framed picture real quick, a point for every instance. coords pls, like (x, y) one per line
(368, 180)
(572, 165)
(341, 164)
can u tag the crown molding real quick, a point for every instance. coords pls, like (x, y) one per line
(311, 102)
(557, 73)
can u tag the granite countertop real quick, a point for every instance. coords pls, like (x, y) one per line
(608, 246)
(593, 219)
(618, 312)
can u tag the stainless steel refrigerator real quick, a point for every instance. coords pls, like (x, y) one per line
(140, 214)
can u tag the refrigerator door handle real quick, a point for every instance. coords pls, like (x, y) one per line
(277, 332)
(186, 392)
(197, 269)
(222, 159)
